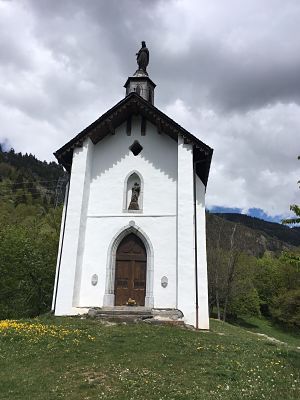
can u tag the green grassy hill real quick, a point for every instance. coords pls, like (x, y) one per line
(72, 358)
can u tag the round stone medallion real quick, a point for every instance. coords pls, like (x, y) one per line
(94, 279)
(164, 282)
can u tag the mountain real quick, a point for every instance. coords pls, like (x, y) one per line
(253, 235)
(27, 180)
(272, 229)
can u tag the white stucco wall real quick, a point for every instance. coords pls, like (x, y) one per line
(157, 166)
(113, 161)
(203, 315)
(73, 244)
(97, 257)
(185, 233)
(97, 190)
(96, 215)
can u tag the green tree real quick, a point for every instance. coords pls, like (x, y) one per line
(286, 308)
(27, 268)
(277, 281)
(244, 298)
(267, 281)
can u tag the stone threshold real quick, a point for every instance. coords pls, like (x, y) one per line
(136, 314)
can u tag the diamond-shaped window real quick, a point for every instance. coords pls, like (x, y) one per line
(136, 148)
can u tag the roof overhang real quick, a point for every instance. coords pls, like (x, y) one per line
(133, 104)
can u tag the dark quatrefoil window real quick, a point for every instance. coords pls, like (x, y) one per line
(136, 148)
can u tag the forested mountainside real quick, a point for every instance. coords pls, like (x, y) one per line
(273, 230)
(253, 265)
(248, 239)
(26, 180)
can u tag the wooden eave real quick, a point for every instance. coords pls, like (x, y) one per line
(133, 104)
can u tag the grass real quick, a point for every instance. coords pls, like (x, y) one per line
(72, 358)
(266, 326)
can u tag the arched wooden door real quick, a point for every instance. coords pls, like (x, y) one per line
(130, 277)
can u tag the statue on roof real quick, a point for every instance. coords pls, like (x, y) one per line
(142, 57)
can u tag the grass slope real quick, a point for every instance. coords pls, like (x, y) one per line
(267, 327)
(71, 358)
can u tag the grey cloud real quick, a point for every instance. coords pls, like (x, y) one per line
(64, 63)
(209, 70)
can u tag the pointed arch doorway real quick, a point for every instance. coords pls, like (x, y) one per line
(131, 271)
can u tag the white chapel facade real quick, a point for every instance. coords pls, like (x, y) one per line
(133, 224)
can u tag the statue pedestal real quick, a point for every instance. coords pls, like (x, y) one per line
(140, 72)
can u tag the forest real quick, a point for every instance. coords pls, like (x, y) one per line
(253, 268)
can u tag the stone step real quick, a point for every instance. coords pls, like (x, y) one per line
(164, 322)
(128, 311)
(137, 314)
(123, 318)
(120, 315)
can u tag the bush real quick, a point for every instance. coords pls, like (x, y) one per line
(27, 268)
(286, 308)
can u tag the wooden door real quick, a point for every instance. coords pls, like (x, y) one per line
(131, 265)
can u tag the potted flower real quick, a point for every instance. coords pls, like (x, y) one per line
(131, 302)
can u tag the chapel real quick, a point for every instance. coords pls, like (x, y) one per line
(133, 224)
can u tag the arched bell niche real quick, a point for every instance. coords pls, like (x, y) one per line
(133, 193)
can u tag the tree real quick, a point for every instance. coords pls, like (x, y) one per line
(277, 282)
(231, 274)
(27, 267)
(215, 257)
(286, 308)
(231, 266)
(267, 281)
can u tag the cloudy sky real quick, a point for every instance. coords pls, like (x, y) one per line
(228, 71)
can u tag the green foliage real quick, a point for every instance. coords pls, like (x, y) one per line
(18, 164)
(27, 268)
(231, 277)
(29, 231)
(296, 220)
(245, 301)
(277, 281)
(267, 278)
(253, 286)
(286, 307)
(26, 180)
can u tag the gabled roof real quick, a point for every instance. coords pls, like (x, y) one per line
(133, 104)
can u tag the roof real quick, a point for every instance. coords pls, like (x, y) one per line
(133, 104)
